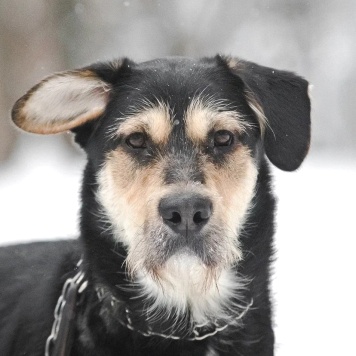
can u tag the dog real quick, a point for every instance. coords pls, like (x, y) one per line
(177, 217)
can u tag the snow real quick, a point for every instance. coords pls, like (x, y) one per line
(314, 275)
(314, 281)
(39, 192)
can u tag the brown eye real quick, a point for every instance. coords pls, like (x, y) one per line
(223, 138)
(136, 140)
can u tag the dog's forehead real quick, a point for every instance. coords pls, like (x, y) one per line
(177, 95)
(177, 80)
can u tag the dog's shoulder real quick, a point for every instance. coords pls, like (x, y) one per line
(31, 277)
(25, 264)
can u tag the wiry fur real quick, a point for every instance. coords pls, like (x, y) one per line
(177, 210)
(187, 285)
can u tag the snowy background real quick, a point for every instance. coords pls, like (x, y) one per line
(314, 275)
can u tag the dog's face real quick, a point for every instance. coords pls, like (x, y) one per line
(180, 178)
(180, 183)
(176, 145)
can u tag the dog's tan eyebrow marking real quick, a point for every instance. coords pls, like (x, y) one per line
(204, 116)
(154, 121)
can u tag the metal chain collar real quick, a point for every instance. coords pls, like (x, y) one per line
(199, 331)
(64, 314)
(60, 340)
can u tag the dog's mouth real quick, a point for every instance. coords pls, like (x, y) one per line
(161, 251)
(200, 245)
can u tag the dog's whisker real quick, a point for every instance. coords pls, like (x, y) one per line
(117, 253)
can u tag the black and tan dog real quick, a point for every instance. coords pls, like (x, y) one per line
(177, 211)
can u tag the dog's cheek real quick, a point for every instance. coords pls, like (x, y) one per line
(234, 182)
(128, 194)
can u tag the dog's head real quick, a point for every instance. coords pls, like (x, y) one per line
(175, 145)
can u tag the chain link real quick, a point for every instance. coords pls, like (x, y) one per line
(81, 283)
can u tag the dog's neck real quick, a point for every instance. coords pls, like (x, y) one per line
(99, 313)
(167, 326)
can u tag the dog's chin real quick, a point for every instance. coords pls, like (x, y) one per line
(186, 270)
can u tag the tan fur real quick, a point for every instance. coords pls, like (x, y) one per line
(234, 182)
(233, 63)
(258, 111)
(154, 121)
(129, 194)
(203, 116)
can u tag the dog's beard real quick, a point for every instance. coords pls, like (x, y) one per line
(185, 271)
(184, 274)
(187, 287)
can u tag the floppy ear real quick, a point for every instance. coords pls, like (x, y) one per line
(67, 100)
(281, 99)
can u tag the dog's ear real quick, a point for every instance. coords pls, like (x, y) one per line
(281, 101)
(67, 100)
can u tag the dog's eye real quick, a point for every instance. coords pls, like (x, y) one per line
(136, 140)
(223, 138)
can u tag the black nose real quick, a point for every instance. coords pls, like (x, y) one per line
(185, 213)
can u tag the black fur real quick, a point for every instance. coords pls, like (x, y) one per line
(32, 275)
